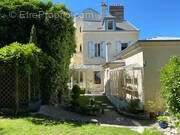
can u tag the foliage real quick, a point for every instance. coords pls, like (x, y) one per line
(33, 37)
(83, 91)
(162, 119)
(129, 87)
(177, 124)
(103, 99)
(75, 95)
(92, 101)
(90, 110)
(133, 105)
(56, 38)
(170, 79)
(25, 56)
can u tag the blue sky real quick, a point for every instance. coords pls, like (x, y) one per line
(152, 17)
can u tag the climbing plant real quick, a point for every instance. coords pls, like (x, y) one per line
(23, 58)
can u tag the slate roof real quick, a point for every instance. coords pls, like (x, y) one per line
(89, 10)
(164, 38)
(97, 26)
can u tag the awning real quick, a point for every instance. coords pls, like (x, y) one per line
(128, 67)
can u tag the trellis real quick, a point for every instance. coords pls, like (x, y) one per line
(15, 86)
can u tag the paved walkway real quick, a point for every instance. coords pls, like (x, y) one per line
(110, 118)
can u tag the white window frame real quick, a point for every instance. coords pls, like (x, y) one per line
(112, 25)
(97, 49)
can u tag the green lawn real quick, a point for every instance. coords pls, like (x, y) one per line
(85, 100)
(37, 126)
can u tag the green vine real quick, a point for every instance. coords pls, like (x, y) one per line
(25, 56)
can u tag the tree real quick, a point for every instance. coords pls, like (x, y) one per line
(33, 37)
(170, 79)
(56, 38)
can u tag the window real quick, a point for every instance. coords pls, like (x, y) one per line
(80, 48)
(97, 77)
(97, 50)
(124, 46)
(110, 25)
(81, 77)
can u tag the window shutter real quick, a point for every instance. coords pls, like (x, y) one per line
(93, 50)
(103, 49)
(118, 47)
(90, 46)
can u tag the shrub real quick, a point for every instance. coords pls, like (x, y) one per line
(90, 110)
(75, 95)
(92, 101)
(82, 91)
(162, 119)
(170, 79)
(133, 105)
(177, 124)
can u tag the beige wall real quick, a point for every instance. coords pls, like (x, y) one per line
(156, 55)
(152, 56)
(112, 37)
(77, 57)
(136, 57)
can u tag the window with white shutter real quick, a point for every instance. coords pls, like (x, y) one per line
(97, 50)
(118, 47)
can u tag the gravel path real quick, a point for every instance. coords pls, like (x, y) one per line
(110, 118)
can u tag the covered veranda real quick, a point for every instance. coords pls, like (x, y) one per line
(124, 83)
(84, 76)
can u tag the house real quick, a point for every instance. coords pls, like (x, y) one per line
(99, 38)
(135, 72)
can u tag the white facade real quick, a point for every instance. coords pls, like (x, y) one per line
(99, 39)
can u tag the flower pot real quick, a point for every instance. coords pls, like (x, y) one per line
(152, 115)
(163, 124)
(34, 105)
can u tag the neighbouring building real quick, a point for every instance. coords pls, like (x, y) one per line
(135, 72)
(99, 38)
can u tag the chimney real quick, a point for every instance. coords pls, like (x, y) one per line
(103, 10)
(117, 11)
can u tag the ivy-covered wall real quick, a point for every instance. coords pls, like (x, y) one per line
(55, 36)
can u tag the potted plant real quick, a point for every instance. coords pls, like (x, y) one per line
(129, 87)
(162, 121)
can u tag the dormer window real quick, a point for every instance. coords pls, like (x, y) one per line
(124, 46)
(110, 25)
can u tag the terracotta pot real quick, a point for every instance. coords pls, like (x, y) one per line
(152, 115)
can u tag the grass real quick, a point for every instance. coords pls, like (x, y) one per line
(39, 126)
(85, 100)
(152, 132)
